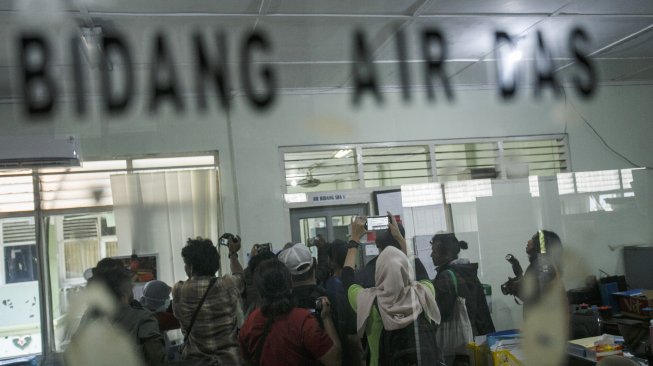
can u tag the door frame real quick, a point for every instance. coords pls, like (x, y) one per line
(296, 214)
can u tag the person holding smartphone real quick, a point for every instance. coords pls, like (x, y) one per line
(392, 236)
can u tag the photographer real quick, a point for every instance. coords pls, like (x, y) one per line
(207, 306)
(546, 312)
(544, 251)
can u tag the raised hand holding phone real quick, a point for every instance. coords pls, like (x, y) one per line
(358, 228)
(396, 233)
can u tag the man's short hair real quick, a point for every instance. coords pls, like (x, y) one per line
(202, 256)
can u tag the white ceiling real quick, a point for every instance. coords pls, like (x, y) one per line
(312, 39)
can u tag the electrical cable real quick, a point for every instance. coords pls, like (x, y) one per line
(603, 141)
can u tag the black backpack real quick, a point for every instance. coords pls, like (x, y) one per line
(413, 345)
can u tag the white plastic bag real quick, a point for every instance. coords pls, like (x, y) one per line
(454, 335)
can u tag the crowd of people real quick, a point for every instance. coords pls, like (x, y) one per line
(292, 309)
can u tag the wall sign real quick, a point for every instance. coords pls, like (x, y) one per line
(327, 197)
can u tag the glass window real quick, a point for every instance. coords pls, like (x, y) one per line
(392, 166)
(20, 319)
(77, 242)
(320, 170)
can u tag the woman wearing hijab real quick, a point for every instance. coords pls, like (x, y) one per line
(394, 303)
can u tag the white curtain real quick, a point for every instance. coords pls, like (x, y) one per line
(157, 212)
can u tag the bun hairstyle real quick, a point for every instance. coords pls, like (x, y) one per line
(449, 244)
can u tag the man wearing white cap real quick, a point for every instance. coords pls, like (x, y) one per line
(301, 264)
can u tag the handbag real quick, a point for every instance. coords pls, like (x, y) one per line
(194, 317)
(454, 335)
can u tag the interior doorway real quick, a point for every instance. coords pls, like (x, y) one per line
(332, 222)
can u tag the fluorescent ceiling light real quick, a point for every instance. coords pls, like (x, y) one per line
(342, 153)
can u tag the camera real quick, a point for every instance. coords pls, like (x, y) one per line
(224, 239)
(511, 287)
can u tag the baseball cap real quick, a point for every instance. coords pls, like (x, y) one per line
(297, 259)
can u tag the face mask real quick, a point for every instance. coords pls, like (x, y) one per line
(145, 302)
(163, 307)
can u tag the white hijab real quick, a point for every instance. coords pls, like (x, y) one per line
(399, 298)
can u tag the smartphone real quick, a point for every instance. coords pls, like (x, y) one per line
(377, 223)
(224, 241)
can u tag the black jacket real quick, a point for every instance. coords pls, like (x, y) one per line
(469, 287)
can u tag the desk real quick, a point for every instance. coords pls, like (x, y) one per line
(582, 361)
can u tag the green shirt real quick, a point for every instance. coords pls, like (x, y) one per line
(374, 324)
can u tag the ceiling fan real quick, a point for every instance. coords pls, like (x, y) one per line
(309, 181)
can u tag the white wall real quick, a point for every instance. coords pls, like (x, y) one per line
(620, 114)
(252, 186)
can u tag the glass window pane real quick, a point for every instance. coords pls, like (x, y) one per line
(80, 254)
(311, 227)
(340, 226)
(76, 243)
(321, 170)
(20, 319)
(391, 166)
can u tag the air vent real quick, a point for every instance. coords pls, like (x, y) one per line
(18, 232)
(80, 227)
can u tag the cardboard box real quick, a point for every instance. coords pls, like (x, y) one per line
(636, 303)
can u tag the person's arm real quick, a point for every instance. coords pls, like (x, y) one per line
(357, 233)
(234, 247)
(333, 356)
(154, 351)
(396, 234)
